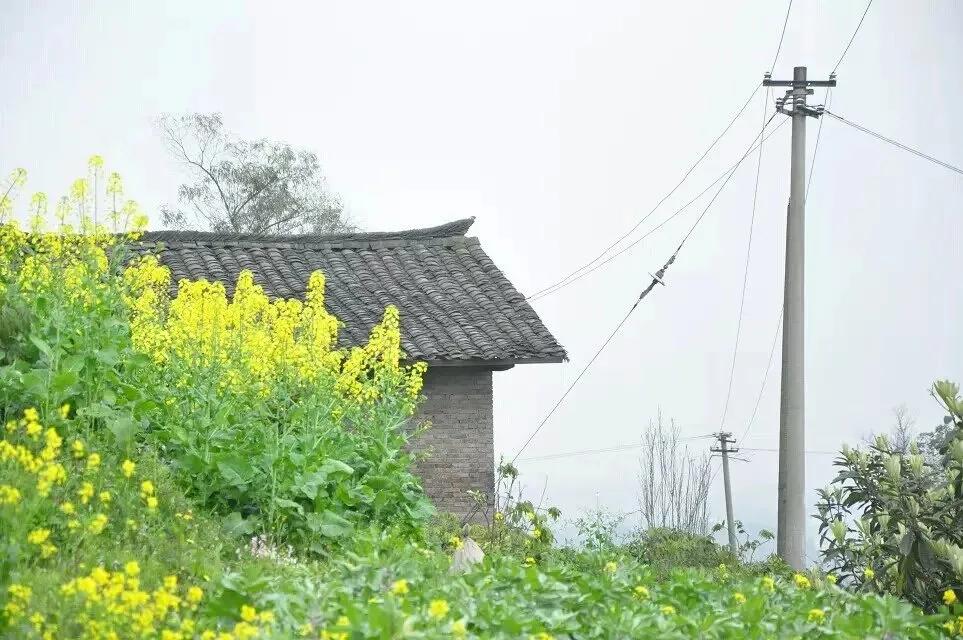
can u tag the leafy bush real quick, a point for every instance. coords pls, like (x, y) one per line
(271, 425)
(894, 523)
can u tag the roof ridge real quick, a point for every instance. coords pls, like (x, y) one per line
(452, 229)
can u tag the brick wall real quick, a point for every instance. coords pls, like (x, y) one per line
(458, 402)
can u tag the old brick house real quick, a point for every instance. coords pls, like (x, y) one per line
(459, 313)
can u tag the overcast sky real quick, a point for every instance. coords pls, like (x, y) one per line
(558, 125)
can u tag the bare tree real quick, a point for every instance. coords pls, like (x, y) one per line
(673, 484)
(247, 186)
(901, 433)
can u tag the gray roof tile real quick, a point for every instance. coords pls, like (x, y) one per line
(455, 304)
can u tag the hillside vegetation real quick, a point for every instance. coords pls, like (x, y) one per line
(199, 466)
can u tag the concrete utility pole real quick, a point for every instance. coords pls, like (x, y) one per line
(726, 438)
(791, 523)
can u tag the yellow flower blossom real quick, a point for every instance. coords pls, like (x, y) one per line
(194, 594)
(949, 597)
(64, 411)
(97, 524)
(768, 583)
(68, 508)
(399, 587)
(77, 446)
(132, 569)
(127, 468)
(459, 629)
(667, 610)
(641, 592)
(9, 494)
(38, 536)
(456, 542)
(868, 573)
(739, 598)
(610, 567)
(816, 615)
(438, 609)
(93, 461)
(104, 496)
(802, 581)
(248, 613)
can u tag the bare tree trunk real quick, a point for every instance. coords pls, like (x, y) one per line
(673, 484)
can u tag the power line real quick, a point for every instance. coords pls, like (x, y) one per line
(706, 210)
(896, 143)
(765, 377)
(850, 43)
(657, 278)
(658, 204)
(819, 132)
(617, 448)
(768, 450)
(732, 168)
(745, 275)
(581, 373)
(781, 36)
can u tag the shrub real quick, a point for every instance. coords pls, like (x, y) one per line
(891, 522)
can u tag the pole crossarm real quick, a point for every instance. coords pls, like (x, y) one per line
(797, 93)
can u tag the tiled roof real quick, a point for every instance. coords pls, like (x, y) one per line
(455, 304)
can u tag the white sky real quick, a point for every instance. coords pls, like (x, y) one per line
(558, 124)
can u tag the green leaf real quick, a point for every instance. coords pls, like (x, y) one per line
(329, 524)
(64, 381)
(123, 427)
(42, 345)
(235, 470)
(234, 524)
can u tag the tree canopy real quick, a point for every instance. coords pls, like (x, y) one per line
(246, 186)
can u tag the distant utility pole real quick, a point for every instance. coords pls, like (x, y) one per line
(725, 438)
(791, 522)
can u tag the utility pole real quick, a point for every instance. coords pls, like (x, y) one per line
(791, 522)
(725, 438)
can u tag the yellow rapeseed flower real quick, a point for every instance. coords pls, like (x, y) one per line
(9, 495)
(438, 609)
(194, 594)
(456, 542)
(104, 497)
(151, 503)
(93, 461)
(132, 569)
(399, 587)
(68, 508)
(802, 581)
(868, 573)
(77, 446)
(64, 410)
(127, 468)
(38, 536)
(768, 583)
(30, 415)
(248, 613)
(641, 592)
(949, 597)
(170, 583)
(610, 567)
(458, 629)
(147, 488)
(816, 615)
(739, 598)
(98, 524)
(667, 610)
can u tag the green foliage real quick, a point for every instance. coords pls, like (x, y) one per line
(210, 489)
(601, 598)
(892, 523)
